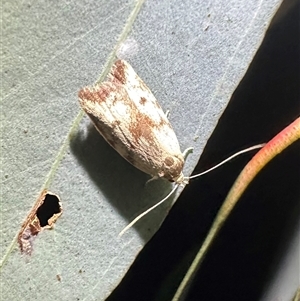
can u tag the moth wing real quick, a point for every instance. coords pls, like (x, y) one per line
(122, 74)
(130, 119)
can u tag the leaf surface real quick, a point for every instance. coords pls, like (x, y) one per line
(191, 55)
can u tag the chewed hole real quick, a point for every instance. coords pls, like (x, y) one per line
(49, 207)
(46, 210)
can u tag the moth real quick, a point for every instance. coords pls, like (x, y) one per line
(128, 116)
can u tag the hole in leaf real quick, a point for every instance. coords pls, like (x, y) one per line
(46, 210)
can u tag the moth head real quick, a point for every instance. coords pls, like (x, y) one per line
(172, 169)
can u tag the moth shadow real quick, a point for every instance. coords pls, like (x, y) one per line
(123, 185)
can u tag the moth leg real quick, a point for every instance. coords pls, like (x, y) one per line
(187, 151)
(167, 113)
(152, 179)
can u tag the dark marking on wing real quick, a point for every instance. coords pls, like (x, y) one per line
(141, 126)
(143, 100)
(97, 93)
(118, 71)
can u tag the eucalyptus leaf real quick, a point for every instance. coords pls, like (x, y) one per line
(191, 54)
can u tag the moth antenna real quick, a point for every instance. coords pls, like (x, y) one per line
(148, 210)
(188, 178)
(228, 159)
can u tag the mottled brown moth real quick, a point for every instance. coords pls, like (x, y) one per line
(127, 115)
